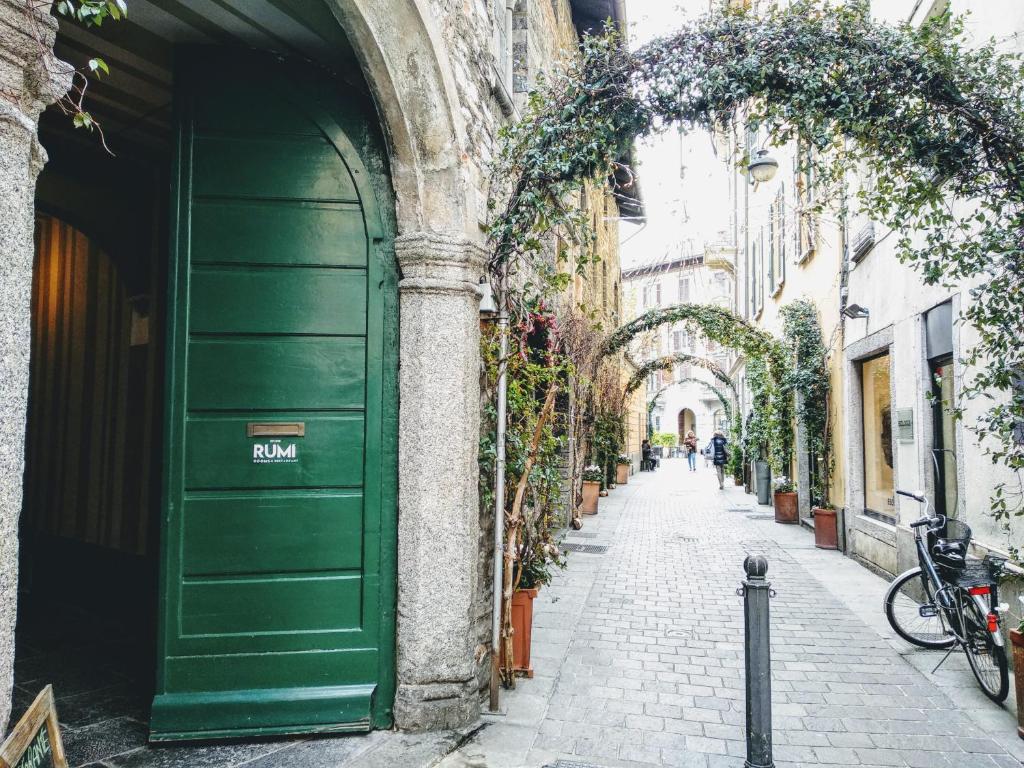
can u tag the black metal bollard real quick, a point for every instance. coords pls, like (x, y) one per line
(756, 593)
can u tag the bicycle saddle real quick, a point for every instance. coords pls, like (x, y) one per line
(951, 554)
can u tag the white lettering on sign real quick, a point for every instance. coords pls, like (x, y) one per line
(275, 452)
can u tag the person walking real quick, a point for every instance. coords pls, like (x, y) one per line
(645, 456)
(690, 443)
(719, 456)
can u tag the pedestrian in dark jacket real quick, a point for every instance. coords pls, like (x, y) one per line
(719, 449)
(645, 455)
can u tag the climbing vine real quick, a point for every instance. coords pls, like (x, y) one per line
(669, 362)
(930, 120)
(724, 327)
(809, 380)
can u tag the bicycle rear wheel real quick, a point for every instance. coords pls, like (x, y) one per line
(986, 657)
(913, 613)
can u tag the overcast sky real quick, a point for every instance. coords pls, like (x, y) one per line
(684, 185)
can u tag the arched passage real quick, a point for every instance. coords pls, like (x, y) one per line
(686, 422)
(433, 677)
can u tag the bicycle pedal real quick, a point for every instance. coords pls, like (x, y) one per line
(928, 611)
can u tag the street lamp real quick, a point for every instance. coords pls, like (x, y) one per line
(763, 167)
(856, 312)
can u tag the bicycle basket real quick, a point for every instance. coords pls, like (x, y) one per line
(950, 543)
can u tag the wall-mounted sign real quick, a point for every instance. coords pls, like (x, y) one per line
(275, 452)
(35, 740)
(905, 425)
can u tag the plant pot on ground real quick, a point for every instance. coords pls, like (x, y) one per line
(622, 468)
(591, 489)
(826, 531)
(1017, 644)
(522, 630)
(786, 508)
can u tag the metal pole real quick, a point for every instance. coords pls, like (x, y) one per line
(499, 502)
(756, 593)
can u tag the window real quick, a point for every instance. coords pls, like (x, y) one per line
(879, 489)
(684, 371)
(647, 297)
(657, 294)
(757, 270)
(805, 231)
(776, 265)
(684, 290)
(680, 341)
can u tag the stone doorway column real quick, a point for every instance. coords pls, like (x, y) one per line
(30, 78)
(438, 505)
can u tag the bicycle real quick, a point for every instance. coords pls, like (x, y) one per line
(949, 601)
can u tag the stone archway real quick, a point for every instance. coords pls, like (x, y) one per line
(407, 68)
(441, 257)
(686, 422)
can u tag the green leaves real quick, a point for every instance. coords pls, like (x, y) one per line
(92, 13)
(98, 66)
(937, 124)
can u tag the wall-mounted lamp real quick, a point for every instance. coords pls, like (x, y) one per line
(763, 167)
(488, 306)
(856, 312)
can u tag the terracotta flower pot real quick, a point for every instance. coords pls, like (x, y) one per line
(1017, 642)
(622, 474)
(786, 510)
(826, 533)
(591, 492)
(738, 481)
(522, 630)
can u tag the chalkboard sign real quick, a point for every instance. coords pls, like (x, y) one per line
(35, 740)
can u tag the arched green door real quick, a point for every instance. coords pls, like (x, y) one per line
(278, 539)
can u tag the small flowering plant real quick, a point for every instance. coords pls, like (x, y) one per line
(624, 459)
(784, 485)
(593, 473)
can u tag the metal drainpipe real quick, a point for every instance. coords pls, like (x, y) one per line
(499, 501)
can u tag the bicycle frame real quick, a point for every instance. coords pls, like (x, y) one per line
(949, 597)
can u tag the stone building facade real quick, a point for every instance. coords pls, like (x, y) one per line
(680, 402)
(895, 356)
(411, 96)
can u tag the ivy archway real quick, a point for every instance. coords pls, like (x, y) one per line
(926, 117)
(669, 362)
(726, 328)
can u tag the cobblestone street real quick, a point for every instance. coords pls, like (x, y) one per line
(638, 652)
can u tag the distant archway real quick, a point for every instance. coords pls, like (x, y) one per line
(686, 421)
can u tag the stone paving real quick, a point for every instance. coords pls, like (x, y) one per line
(639, 659)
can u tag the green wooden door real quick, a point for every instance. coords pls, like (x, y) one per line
(279, 526)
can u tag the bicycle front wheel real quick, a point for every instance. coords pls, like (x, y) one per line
(986, 657)
(913, 613)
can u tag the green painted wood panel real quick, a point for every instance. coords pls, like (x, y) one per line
(294, 372)
(277, 712)
(278, 551)
(247, 533)
(294, 232)
(272, 167)
(275, 300)
(248, 606)
(218, 454)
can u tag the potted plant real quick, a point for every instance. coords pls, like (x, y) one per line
(786, 509)
(622, 466)
(534, 572)
(592, 476)
(826, 531)
(1017, 643)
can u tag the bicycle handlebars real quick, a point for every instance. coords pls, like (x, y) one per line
(915, 496)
